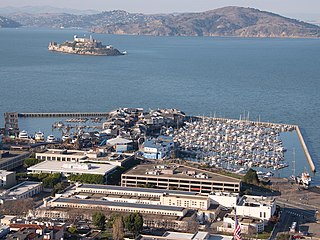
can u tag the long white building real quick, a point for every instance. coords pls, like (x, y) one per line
(68, 168)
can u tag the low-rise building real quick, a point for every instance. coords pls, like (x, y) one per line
(149, 196)
(21, 191)
(115, 206)
(256, 206)
(248, 225)
(226, 199)
(179, 177)
(199, 235)
(98, 156)
(7, 179)
(12, 159)
(120, 144)
(68, 168)
(41, 230)
(158, 148)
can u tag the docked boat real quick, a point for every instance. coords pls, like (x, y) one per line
(65, 138)
(39, 136)
(23, 135)
(304, 179)
(51, 138)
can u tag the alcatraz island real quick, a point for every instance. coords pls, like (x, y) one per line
(85, 46)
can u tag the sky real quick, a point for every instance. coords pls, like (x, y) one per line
(303, 9)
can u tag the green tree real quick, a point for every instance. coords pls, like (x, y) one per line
(28, 162)
(99, 220)
(251, 177)
(133, 223)
(118, 229)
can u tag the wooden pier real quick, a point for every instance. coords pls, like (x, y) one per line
(58, 115)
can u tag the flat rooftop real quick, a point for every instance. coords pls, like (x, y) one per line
(116, 204)
(136, 189)
(255, 201)
(179, 172)
(80, 168)
(22, 188)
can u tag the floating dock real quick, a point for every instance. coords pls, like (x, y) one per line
(69, 114)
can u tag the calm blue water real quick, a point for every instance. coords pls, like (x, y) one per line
(277, 79)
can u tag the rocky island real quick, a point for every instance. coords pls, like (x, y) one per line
(85, 46)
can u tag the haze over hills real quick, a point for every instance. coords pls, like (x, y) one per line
(8, 23)
(227, 21)
(5, 11)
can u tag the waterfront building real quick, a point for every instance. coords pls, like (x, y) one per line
(120, 144)
(7, 179)
(99, 156)
(12, 159)
(68, 168)
(23, 190)
(179, 177)
(11, 125)
(226, 199)
(256, 206)
(158, 148)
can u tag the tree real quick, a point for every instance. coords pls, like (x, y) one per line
(133, 222)
(118, 229)
(251, 177)
(28, 162)
(99, 220)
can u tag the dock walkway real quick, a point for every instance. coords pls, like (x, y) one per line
(61, 114)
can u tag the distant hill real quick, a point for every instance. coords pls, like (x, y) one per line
(8, 23)
(227, 21)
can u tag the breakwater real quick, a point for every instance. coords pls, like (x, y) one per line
(69, 114)
(305, 149)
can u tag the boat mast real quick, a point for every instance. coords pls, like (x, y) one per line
(294, 162)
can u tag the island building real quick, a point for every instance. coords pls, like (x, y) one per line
(69, 168)
(84, 46)
(23, 190)
(99, 156)
(179, 177)
(12, 159)
(7, 179)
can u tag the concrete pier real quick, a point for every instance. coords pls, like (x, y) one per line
(305, 149)
(57, 115)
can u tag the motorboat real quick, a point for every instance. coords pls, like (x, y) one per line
(39, 136)
(65, 138)
(51, 138)
(23, 134)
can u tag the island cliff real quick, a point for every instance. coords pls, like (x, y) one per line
(84, 46)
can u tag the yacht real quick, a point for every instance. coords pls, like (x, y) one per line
(51, 138)
(304, 179)
(23, 135)
(39, 136)
(65, 138)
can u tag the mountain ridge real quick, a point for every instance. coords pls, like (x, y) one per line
(227, 21)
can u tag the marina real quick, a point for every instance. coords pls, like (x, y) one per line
(234, 145)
